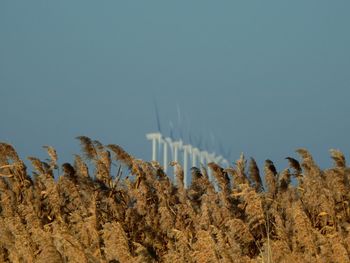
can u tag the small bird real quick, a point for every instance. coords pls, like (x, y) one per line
(271, 177)
(269, 164)
(68, 169)
(196, 173)
(294, 164)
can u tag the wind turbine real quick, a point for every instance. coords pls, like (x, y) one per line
(165, 153)
(210, 158)
(187, 150)
(177, 146)
(170, 140)
(174, 145)
(195, 154)
(155, 137)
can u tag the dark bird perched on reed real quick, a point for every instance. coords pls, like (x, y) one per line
(294, 164)
(271, 177)
(68, 170)
(270, 165)
(196, 173)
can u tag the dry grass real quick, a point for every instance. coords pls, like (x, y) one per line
(100, 216)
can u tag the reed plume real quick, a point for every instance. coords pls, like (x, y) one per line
(145, 216)
(254, 176)
(88, 147)
(121, 155)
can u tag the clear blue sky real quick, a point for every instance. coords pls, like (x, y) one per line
(264, 77)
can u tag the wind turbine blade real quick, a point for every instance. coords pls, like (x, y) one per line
(157, 115)
(158, 124)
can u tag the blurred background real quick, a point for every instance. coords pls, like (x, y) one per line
(259, 77)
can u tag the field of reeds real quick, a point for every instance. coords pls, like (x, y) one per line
(92, 212)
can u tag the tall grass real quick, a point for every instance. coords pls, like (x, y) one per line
(99, 216)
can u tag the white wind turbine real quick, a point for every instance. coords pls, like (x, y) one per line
(210, 158)
(155, 137)
(167, 141)
(175, 146)
(195, 153)
(186, 151)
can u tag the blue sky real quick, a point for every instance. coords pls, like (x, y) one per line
(262, 77)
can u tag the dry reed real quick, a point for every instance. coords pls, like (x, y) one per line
(145, 217)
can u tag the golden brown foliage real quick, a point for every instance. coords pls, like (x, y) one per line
(145, 217)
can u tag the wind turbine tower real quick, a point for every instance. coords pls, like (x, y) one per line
(166, 141)
(186, 151)
(195, 154)
(154, 137)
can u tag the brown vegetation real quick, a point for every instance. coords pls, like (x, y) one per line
(145, 217)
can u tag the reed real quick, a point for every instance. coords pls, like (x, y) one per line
(143, 216)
